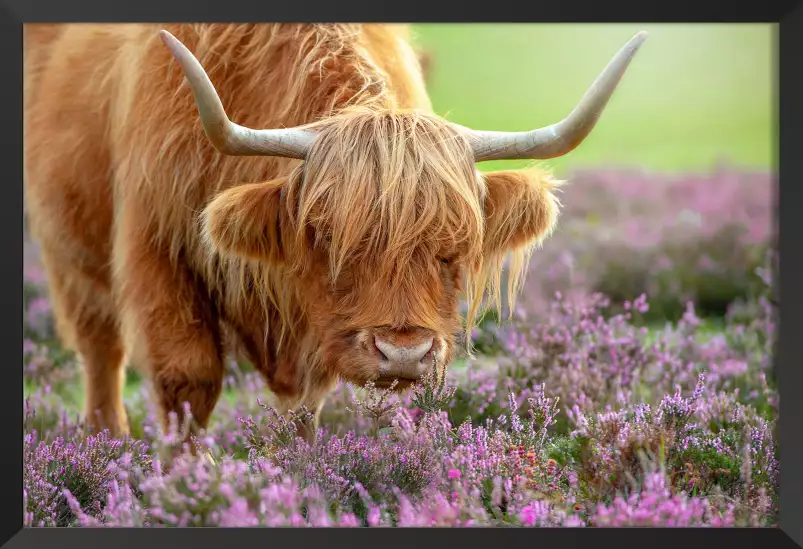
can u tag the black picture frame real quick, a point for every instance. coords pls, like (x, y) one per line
(789, 31)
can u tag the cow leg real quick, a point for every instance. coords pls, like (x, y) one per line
(173, 328)
(84, 314)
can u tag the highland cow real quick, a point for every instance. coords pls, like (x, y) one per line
(333, 245)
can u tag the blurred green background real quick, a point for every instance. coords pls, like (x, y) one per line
(694, 96)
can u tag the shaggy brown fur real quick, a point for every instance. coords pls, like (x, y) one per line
(164, 253)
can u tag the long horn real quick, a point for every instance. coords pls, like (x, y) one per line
(562, 137)
(226, 136)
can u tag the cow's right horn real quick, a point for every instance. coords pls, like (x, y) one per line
(562, 137)
(226, 136)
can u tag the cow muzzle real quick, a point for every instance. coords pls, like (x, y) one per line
(405, 358)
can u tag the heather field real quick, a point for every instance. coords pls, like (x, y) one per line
(582, 409)
(631, 385)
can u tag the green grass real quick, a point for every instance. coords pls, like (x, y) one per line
(709, 328)
(694, 95)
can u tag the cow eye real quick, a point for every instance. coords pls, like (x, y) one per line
(445, 260)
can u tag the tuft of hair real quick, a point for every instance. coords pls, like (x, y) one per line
(379, 185)
(521, 212)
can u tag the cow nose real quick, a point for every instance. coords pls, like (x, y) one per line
(398, 355)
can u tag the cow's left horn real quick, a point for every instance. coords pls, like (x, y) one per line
(225, 135)
(562, 137)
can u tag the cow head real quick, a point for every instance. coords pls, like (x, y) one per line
(387, 223)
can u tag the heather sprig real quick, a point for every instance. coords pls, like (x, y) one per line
(431, 394)
(87, 468)
(655, 505)
(377, 404)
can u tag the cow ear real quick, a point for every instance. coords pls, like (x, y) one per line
(245, 221)
(521, 209)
